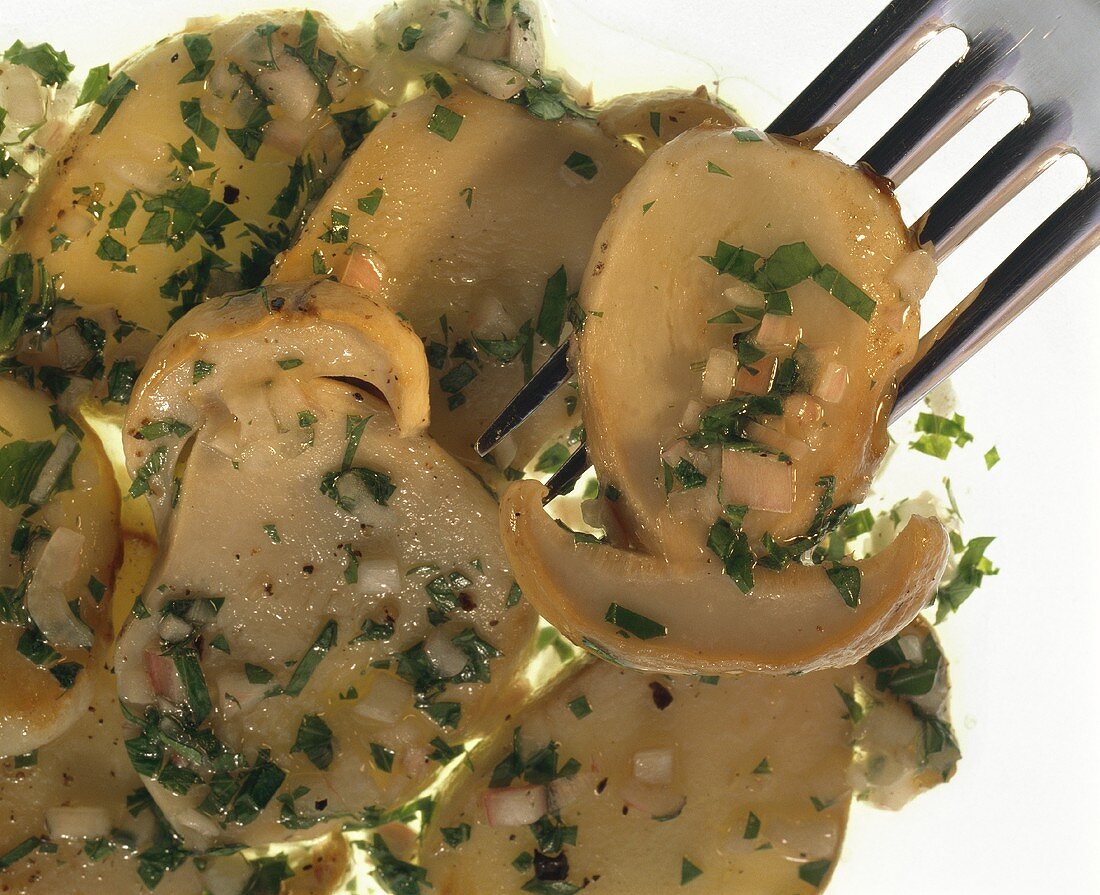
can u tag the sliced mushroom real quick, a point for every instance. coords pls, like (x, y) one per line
(74, 818)
(746, 757)
(59, 514)
(655, 308)
(650, 120)
(321, 566)
(474, 219)
(693, 618)
(185, 178)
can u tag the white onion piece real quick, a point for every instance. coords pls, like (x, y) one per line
(653, 766)
(777, 331)
(238, 695)
(719, 375)
(379, 576)
(364, 270)
(505, 452)
(913, 274)
(489, 319)
(832, 382)
(287, 135)
(516, 806)
(354, 494)
(442, 38)
(447, 658)
(525, 52)
(173, 629)
(227, 875)
(797, 838)
(163, 677)
(756, 379)
(758, 481)
(779, 441)
(492, 78)
(291, 87)
(655, 801)
(741, 294)
(21, 96)
(78, 823)
(389, 82)
(388, 700)
(46, 603)
(487, 44)
(67, 445)
(74, 223)
(564, 791)
(910, 647)
(72, 351)
(179, 812)
(690, 420)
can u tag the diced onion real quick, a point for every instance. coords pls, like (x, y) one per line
(756, 379)
(179, 811)
(653, 766)
(161, 671)
(913, 274)
(505, 452)
(379, 576)
(227, 875)
(654, 801)
(777, 331)
(447, 658)
(741, 294)
(832, 382)
(78, 823)
(796, 838)
(21, 96)
(910, 647)
(487, 44)
(564, 791)
(690, 420)
(489, 319)
(46, 603)
(291, 87)
(363, 269)
(173, 629)
(72, 351)
(779, 441)
(759, 481)
(387, 700)
(492, 78)
(288, 135)
(67, 445)
(719, 375)
(525, 53)
(516, 806)
(442, 38)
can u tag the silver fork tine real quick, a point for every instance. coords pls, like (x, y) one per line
(562, 481)
(1055, 247)
(846, 78)
(547, 379)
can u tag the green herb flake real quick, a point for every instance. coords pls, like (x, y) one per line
(117, 89)
(634, 624)
(580, 707)
(200, 370)
(382, 757)
(197, 123)
(814, 872)
(555, 300)
(158, 429)
(648, 205)
(717, 169)
(110, 249)
(752, 827)
(853, 706)
(314, 739)
(846, 580)
(312, 658)
(152, 465)
(445, 122)
(688, 872)
(409, 37)
(272, 534)
(198, 48)
(257, 674)
(581, 165)
(370, 202)
(992, 458)
(455, 836)
(763, 767)
(290, 363)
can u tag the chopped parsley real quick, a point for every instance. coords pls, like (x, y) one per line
(370, 202)
(157, 429)
(846, 580)
(973, 566)
(813, 872)
(445, 122)
(382, 757)
(992, 458)
(200, 370)
(580, 707)
(688, 872)
(197, 123)
(314, 739)
(303, 671)
(631, 623)
(555, 301)
(940, 434)
(21, 463)
(152, 465)
(198, 48)
(409, 37)
(582, 165)
(455, 836)
(272, 534)
(752, 827)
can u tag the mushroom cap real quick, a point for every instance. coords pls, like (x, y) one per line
(649, 296)
(650, 120)
(347, 537)
(34, 707)
(469, 231)
(792, 621)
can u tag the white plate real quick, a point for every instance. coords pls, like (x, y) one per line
(1022, 816)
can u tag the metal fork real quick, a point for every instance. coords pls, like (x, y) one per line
(1035, 48)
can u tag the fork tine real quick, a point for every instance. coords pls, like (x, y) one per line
(847, 74)
(1056, 246)
(563, 481)
(547, 380)
(976, 195)
(956, 89)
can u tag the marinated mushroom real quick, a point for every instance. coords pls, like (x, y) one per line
(749, 305)
(650, 120)
(473, 219)
(59, 531)
(186, 175)
(74, 818)
(331, 604)
(614, 776)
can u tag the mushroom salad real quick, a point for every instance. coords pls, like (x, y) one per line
(269, 624)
